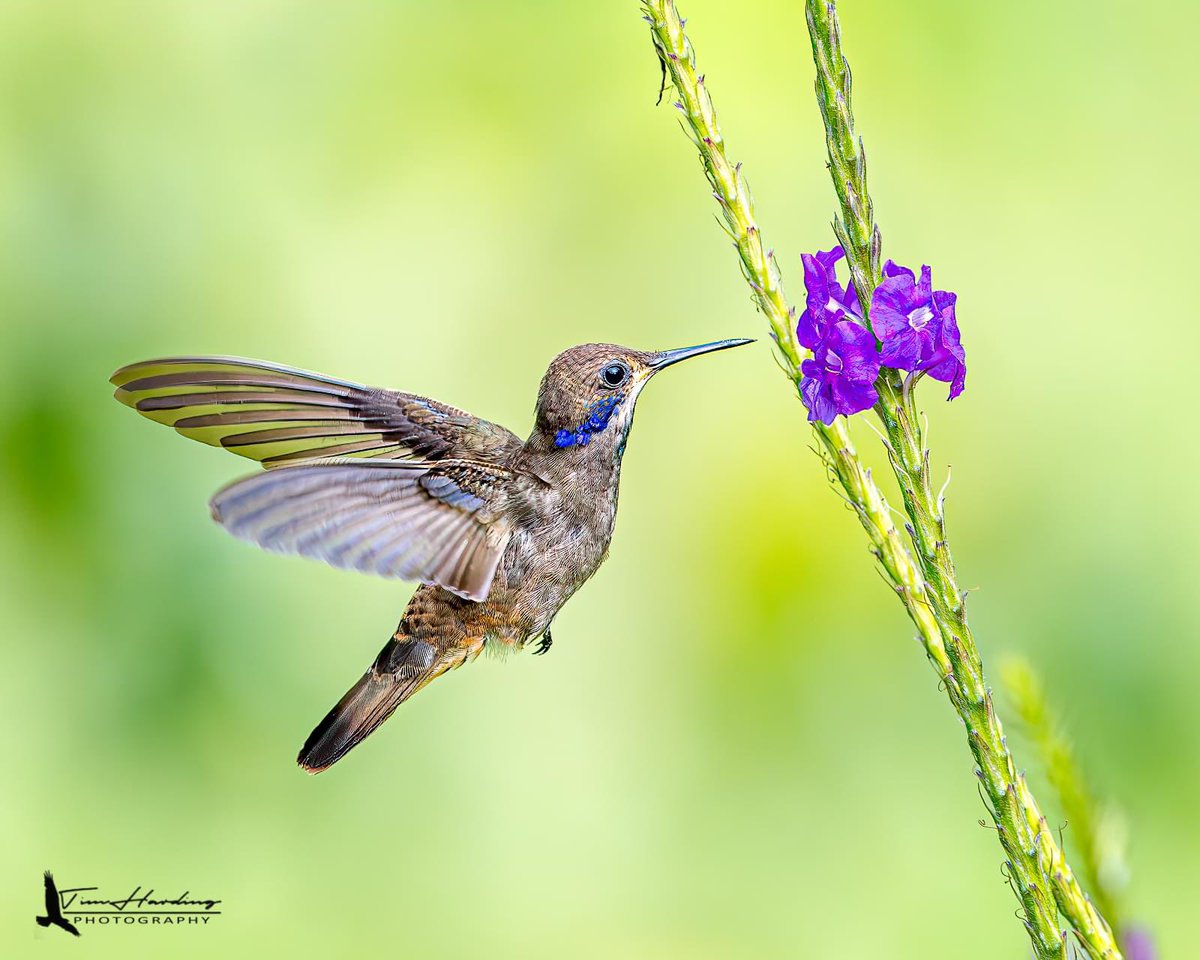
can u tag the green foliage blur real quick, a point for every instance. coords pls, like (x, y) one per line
(735, 748)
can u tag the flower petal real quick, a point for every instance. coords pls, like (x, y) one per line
(851, 398)
(944, 300)
(951, 339)
(890, 306)
(850, 299)
(819, 401)
(924, 289)
(828, 258)
(816, 280)
(825, 295)
(809, 329)
(820, 269)
(902, 351)
(953, 372)
(949, 360)
(855, 344)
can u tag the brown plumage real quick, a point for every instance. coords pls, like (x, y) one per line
(500, 532)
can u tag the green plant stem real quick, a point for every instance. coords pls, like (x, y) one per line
(925, 584)
(762, 274)
(1101, 856)
(1043, 880)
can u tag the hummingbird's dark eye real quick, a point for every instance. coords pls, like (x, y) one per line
(615, 374)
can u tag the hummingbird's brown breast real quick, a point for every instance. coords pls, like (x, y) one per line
(562, 512)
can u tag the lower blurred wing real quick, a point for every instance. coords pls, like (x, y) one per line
(438, 522)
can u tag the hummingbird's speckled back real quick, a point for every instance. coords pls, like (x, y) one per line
(501, 533)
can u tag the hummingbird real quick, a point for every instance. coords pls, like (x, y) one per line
(500, 532)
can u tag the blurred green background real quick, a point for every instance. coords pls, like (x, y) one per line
(735, 748)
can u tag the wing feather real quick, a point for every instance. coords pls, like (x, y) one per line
(438, 522)
(277, 414)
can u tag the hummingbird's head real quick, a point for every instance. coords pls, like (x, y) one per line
(589, 391)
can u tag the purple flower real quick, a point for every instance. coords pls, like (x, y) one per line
(1138, 945)
(840, 377)
(828, 301)
(917, 326)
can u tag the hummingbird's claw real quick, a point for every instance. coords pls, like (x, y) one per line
(544, 644)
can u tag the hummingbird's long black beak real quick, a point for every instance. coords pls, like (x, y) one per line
(668, 357)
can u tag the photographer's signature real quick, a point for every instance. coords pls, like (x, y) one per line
(70, 895)
(70, 907)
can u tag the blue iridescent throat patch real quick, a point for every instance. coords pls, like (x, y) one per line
(598, 415)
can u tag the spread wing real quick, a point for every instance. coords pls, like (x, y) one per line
(277, 414)
(52, 907)
(439, 522)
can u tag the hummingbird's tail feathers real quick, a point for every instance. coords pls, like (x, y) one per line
(364, 707)
(439, 522)
(402, 668)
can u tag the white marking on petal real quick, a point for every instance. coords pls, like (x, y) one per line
(920, 318)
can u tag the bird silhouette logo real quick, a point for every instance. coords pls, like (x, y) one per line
(54, 915)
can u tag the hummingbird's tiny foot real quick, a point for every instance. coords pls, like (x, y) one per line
(544, 644)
